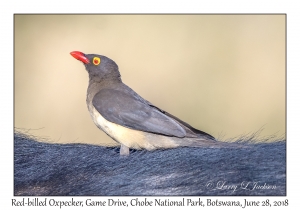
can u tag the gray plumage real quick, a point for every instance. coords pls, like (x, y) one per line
(128, 118)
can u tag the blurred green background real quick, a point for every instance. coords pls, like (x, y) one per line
(223, 74)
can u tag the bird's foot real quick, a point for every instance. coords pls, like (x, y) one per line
(124, 150)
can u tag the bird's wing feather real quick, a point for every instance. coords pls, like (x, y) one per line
(124, 109)
(193, 132)
(190, 131)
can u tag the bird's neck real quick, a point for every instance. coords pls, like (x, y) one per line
(96, 84)
(104, 81)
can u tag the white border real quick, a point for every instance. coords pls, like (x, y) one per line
(8, 8)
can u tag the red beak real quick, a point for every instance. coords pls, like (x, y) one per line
(80, 56)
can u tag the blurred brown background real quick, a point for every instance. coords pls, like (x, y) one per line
(223, 74)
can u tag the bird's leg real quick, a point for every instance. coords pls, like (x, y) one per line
(124, 150)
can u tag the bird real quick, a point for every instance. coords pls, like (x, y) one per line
(129, 119)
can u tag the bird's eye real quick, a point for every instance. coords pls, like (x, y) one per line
(96, 61)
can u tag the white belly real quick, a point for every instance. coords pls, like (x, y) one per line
(129, 137)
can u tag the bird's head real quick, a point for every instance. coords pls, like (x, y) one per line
(99, 67)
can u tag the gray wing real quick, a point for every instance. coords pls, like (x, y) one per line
(125, 109)
(190, 131)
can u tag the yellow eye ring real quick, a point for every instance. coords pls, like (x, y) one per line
(96, 61)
